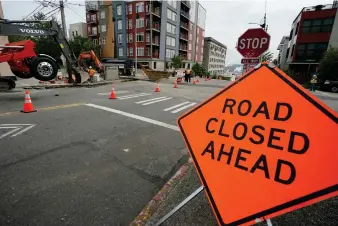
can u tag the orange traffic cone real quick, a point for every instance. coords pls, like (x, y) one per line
(175, 84)
(28, 105)
(157, 88)
(112, 94)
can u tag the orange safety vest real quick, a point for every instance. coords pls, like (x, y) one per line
(91, 72)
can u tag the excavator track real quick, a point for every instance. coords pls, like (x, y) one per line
(6, 84)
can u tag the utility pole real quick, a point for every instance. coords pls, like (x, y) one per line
(63, 19)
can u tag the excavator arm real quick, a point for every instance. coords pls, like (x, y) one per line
(17, 27)
(90, 55)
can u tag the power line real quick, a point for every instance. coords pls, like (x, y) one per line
(51, 11)
(82, 18)
(52, 15)
(75, 4)
(32, 13)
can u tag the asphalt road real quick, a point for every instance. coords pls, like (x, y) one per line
(88, 160)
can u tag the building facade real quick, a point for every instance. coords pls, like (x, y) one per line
(4, 67)
(100, 26)
(313, 31)
(77, 29)
(283, 48)
(163, 29)
(214, 56)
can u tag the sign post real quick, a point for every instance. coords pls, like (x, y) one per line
(252, 44)
(260, 154)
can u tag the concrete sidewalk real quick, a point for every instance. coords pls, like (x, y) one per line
(198, 211)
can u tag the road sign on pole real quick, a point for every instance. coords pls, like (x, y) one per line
(253, 43)
(259, 153)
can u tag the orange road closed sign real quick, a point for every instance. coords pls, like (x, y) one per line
(263, 146)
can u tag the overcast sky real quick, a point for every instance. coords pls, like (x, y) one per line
(226, 20)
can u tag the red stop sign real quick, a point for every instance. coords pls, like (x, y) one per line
(253, 42)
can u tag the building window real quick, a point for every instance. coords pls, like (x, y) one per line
(291, 33)
(119, 10)
(297, 27)
(173, 3)
(169, 53)
(190, 36)
(198, 31)
(317, 25)
(191, 26)
(93, 18)
(130, 8)
(140, 23)
(189, 46)
(189, 56)
(130, 24)
(148, 38)
(103, 28)
(139, 7)
(170, 41)
(171, 28)
(130, 38)
(131, 51)
(119, 38)
(94, 30)
(310, 51)
(120, 52)
(203, 33)
(103, 14)
(119, 24)
(103, 41)
(140, 51)
(140, 37)
(148, 51)
(171, 15)
(292, 50)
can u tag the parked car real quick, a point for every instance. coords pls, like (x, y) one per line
(329, 85)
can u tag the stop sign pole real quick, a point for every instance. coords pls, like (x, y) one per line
(253, 43)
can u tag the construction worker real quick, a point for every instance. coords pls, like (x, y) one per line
(188, 75)
(91, 73)
(313, 82)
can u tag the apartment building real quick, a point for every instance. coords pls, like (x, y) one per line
(283, 48)
(163, 29)
(100, 26)
(312, 32)
(77, 29)
(214, 56)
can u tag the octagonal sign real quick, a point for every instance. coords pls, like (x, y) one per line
(262, 146)
(253, 43)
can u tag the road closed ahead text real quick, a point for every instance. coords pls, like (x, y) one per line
(267, 138)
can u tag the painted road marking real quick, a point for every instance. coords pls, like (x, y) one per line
(155, 101)
(149, 100)
(326, 94)
(141, 118)
(45, 109)
(176, 106)
(182, 108)
(133, 96)
(117, 92)
(15, 128)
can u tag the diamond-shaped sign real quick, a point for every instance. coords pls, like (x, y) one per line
(263, 146)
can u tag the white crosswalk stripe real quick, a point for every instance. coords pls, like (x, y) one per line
(182, 108)
(117, 92)
(133, 96)
(155, 101)
(176, 106)
(144, 101)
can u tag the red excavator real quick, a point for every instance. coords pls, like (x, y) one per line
(23, 60)
(84, 57)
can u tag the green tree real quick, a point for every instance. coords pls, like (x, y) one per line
(176, 62)
(328, 66)
(199, 69)
(44, 44)
(81, 44)
(267, 56)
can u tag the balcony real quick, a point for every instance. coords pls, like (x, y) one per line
(184, 26)
(186, 3)
(155, 27)
(157, 12)
(92, 8)
(184, 37)
(183, 47)
(156, 42)
(183, 56)
(155, 55)
(91, 21)
(91, 34)
(185, 14)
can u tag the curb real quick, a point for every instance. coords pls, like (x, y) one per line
(161, 196)
(74, 85)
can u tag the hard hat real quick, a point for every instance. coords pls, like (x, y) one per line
(90, 67)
